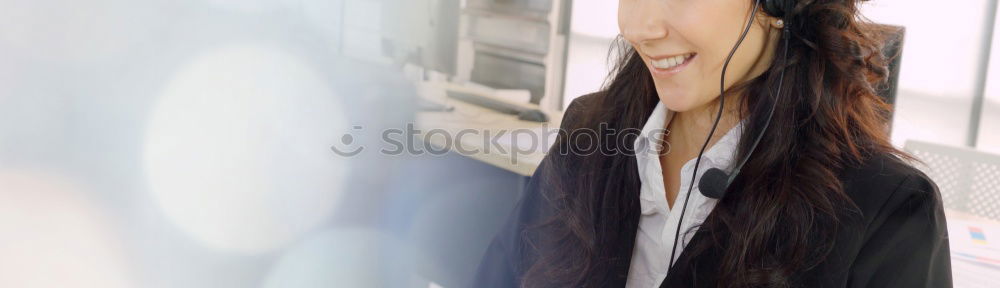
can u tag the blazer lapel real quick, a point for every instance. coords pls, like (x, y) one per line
(695, 271)
(622, 259)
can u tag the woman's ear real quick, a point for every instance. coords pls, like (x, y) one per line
(778, 24)
(767, 21)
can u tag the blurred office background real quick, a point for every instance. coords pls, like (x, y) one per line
(187, 143)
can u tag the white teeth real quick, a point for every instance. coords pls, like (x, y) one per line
(671, 62)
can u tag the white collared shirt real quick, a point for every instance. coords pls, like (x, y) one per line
(658, 222)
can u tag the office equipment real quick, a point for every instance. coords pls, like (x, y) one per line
(487, 102)
(495, 69)
(484, 102)
(533, 115)
(519, 44)
(505, 44)
(421, 32)
(969, 180)
(514, 33)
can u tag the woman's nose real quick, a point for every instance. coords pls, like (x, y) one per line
(643, 21)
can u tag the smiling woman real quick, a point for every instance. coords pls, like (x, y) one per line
(684, 44)
(829, 202)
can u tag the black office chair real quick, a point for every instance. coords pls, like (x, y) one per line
(892, 49)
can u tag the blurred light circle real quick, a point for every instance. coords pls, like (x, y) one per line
(346, 258)
(53, 237)
(236, 151)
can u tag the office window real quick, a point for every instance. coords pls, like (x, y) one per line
(989, 138)
(593, 27)
(939, 67)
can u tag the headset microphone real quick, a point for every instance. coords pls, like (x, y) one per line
(714, 182)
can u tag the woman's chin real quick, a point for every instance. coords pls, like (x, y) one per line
(678, 102)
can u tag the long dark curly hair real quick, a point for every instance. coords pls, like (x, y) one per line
(790, 200)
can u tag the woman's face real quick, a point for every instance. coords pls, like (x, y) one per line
(684, 44)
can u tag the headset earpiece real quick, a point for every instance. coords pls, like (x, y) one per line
(776, 8)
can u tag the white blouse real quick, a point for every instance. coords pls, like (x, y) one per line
(658, 222)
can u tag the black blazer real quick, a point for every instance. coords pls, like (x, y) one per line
(901, 240)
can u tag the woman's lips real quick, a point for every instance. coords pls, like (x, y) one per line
(668, 66)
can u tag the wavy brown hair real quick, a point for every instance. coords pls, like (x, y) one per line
(789, 200)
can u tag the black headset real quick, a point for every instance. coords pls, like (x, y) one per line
(778, 8)
(715, 182)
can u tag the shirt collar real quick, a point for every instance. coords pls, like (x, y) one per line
(720, 154)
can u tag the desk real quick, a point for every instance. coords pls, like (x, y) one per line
(471, 128)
